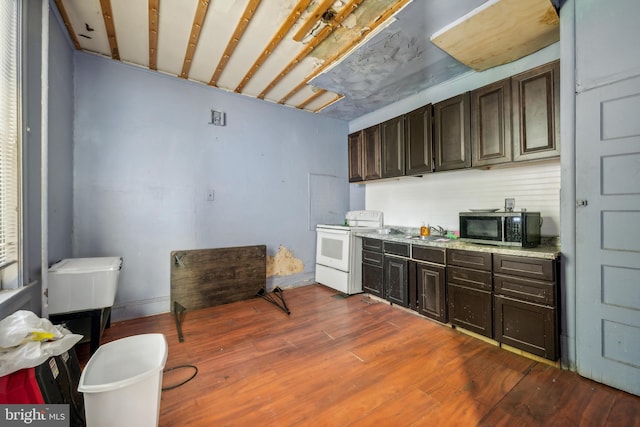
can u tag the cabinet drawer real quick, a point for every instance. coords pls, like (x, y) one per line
(372, 244)
(470, 259)
(525, 289)
(533, 268)
(470, 278)
(422, 253)
(375, 259)
(401, 249)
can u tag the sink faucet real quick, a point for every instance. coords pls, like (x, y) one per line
(437, 229)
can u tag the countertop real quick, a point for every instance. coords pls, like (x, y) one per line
(545, 251)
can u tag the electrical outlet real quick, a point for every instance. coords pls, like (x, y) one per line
(210, 195)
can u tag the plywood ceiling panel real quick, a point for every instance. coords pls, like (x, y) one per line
(500, 31)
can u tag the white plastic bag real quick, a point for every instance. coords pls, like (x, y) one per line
(27, 340)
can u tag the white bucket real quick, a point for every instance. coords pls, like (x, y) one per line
(122, 382)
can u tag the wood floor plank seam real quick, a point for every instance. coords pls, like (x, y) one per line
(349, 362)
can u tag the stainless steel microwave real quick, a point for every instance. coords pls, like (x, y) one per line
(520, 229)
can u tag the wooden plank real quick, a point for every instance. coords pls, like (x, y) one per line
(235, 38)
(153, 34)
(500, 31)
(107, 14)
(198, 20)
(204, 278)
(312, 20)
(273, 43)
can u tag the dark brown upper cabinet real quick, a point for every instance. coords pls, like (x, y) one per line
(452, 142)
(392, 147)
(418, 141)
(364, 155)
(491, 124)
(355, 157)
(536, 113)
(372, 164)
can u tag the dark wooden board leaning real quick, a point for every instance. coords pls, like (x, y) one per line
(204, 278)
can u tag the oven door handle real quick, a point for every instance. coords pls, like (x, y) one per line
(331, 231)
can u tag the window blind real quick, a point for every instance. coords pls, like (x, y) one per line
(9, 143)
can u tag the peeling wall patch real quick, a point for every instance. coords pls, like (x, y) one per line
(283, 263)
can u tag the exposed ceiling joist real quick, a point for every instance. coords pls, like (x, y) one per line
(198, 19)
(107, 14)
(235, 38)
(341, 57)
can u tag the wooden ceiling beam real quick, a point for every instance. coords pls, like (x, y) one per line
(328, 62)
(67, 23)
(312, 20)
(107, 15)
(154, 14)
(310, 99)
(235, 38)
(273, 43)
(198, 20)
(324, 33)
(333, 101)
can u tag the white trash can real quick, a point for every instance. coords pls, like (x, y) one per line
(122, 382)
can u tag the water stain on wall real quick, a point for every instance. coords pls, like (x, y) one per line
(283, 263)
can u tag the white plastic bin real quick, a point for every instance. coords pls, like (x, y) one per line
(80, 284)
(122, 382)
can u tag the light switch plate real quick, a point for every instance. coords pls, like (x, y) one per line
(217, 118)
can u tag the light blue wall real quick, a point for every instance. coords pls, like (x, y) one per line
(145, 158)
(31, 139)
(60, 142)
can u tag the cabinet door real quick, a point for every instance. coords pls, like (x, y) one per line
(529, 327)
(393, 147)
(371, 152)
(470, 309)
(452, 143)
(396, 276)
(418, 151)
(536, 113)
(491, 124)
(372, 280)
(429, 292)
(355, 157)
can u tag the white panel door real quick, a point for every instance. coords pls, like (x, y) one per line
(608, 180)
(608, 234)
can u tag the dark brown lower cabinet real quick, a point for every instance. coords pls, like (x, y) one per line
(526, 313)
(470, 300)
(427, 290)
(372, 264)
(372, 275)
(527, 326)
(396, 278)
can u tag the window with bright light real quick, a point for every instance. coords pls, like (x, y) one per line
(9, 145)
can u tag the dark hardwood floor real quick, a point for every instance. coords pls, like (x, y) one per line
(355, 361)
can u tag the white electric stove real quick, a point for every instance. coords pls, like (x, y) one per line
(339, 253)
